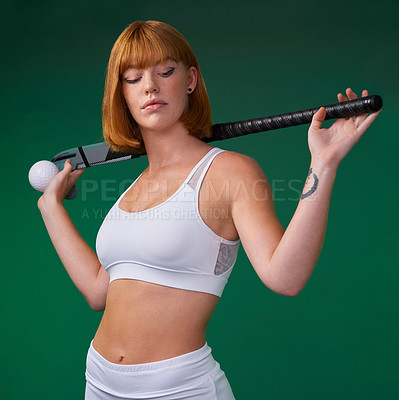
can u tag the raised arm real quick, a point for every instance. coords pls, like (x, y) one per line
(284, 260)
(79, 260)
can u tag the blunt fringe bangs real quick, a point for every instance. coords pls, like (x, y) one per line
(141, 45)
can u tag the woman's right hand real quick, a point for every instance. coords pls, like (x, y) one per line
(59, 186)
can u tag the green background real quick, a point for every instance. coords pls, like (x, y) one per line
(338, 339)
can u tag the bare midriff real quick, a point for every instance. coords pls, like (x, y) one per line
(145, 322)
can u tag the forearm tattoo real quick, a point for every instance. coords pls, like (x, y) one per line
(314, 186)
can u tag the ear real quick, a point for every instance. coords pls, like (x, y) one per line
(192, 78)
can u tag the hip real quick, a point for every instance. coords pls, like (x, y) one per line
(193, 375)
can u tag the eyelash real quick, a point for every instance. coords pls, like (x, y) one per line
(164, 75)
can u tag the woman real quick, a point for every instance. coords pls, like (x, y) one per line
(168, 245)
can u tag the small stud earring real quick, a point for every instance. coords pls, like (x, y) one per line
(189, 89)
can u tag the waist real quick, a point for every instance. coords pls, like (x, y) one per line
(169, 378)
(188, 359)
(145, 322)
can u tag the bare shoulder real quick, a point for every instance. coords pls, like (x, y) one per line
(242, 179)
(237, 167)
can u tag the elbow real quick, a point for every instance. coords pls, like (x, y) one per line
(283, 281)
(96, 304)
(286, 291)
(294, 291)
(97, 307)
(97, 295)
(291, 293)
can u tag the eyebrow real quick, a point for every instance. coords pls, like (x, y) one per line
(155, 65)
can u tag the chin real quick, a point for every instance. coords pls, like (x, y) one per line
(157, 127)
(159, 124)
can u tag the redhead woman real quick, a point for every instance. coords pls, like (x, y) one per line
(167, 247)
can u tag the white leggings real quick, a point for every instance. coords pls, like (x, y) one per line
(195, 376)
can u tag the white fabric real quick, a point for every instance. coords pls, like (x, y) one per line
(191, 376)
(168, 244)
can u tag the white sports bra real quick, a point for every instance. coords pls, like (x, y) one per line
(168, 244)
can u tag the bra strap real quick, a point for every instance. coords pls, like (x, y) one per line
(198, 175)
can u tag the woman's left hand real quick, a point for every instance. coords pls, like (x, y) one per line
(330, 146)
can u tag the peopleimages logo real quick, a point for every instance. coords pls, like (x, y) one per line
(109, 190)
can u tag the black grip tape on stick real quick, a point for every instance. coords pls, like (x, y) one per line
(340, 110)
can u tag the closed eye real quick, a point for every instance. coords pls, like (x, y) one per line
(164, 75)
(132, 80)
(170, 72)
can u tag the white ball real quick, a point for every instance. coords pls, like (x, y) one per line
(41, 173)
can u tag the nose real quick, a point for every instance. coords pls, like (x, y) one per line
(151, 89)
(150, 85)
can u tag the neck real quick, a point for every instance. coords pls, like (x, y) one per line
(169, 147)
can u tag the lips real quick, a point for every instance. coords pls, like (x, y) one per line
(153, 102)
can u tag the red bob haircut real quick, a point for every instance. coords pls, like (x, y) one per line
(141, 45)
